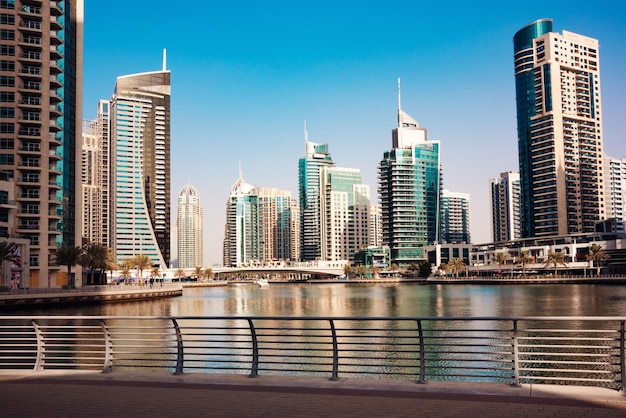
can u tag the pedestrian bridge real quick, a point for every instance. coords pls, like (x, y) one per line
(556, 350)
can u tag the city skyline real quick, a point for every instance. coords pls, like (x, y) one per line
(241, 88)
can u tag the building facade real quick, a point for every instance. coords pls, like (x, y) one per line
(615, 178)
(242, 232)
(409, 189)
(41, 51)
(344, 209)
(455, 217)
(316, 157)
(559, 126)
(376, 226)
(505, 207)
(140, 184)
(189, 227)
(276, 224)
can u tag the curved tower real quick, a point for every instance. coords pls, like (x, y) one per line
(140, 125)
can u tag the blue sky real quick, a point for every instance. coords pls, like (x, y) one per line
(247, 74)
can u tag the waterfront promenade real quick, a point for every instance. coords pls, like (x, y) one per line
(125, 394)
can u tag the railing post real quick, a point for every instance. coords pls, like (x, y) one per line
(515, 355)
(254, 370)
(180, 352)
(622, 360)
(420, 335)
(41, 347)
(108, 349)
(333, 332)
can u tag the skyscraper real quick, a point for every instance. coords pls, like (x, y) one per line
(276, 226)
(409, 187)
(455, 217)
(309, 177)
(344, 213)
(189, 226)
(615, 178)
(505, 207)
(140, 129)
(242, 234)
(41, 50)
(559, 127)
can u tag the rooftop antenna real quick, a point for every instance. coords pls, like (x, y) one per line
(240, 172)
(399, 105)
(164, 58)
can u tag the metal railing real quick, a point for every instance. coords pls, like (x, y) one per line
(515, 350)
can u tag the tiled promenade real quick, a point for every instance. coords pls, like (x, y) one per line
(121, 394)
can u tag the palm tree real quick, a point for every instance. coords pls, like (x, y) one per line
(500, 258)
(555, 258)
(8, 252)
(154, 273)
(142, 262)
(208, 273)
(198, 273)
(126, 265)
(95, 258)
(68, 256)
(522, 259)
(456, 265)
(179, 273)
(596, 255)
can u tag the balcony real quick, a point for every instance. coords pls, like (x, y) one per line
(56, 23)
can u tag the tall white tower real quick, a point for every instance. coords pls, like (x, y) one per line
(189, 225)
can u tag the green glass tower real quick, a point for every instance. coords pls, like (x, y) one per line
(409, 189)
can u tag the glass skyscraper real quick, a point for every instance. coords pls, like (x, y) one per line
(309, 177)
(409, 188)
(559, 127)
(242, 233)
(140, 128)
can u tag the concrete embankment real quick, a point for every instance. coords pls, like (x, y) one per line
(100, 294)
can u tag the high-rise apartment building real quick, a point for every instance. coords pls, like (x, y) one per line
(41, 49)
(455, 217)
(242, 232)
(189, 227)
(344, 213)
(95, 176)
(505, 207)
(559, 127)
(276, 225)
(140, 132)
(615, 183)
(376, 226)
(409, 188)
(309, 177)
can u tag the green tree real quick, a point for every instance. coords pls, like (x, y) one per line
(179, 273)
(555, 259)
(197, 272)
(425, 269)
(348, 270)
(68, 256)
(208, 273)
(456, 265)
(8, 252)
(95, 258)
(360, 271)
(500, 258)
(126, 265)
(596, 256)
(141, 262)
(522, 259)
(375, 271)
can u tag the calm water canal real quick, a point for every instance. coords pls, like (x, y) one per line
(343, 299)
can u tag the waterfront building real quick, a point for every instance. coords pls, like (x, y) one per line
(409, 187)
(276, 224)
(41, 51)
(294, 231)
(455, 217)
(189, 227)
(344, 209)
(559, 127)
(376, 226)
(242, 234)
(95, 177)
(140, 184)
(615, 183)
(505, 207)
(309, 177)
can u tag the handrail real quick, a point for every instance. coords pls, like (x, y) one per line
(516, 350)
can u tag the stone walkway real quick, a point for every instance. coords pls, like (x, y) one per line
(122, 394)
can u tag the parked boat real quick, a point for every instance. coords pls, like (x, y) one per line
(262, 282)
